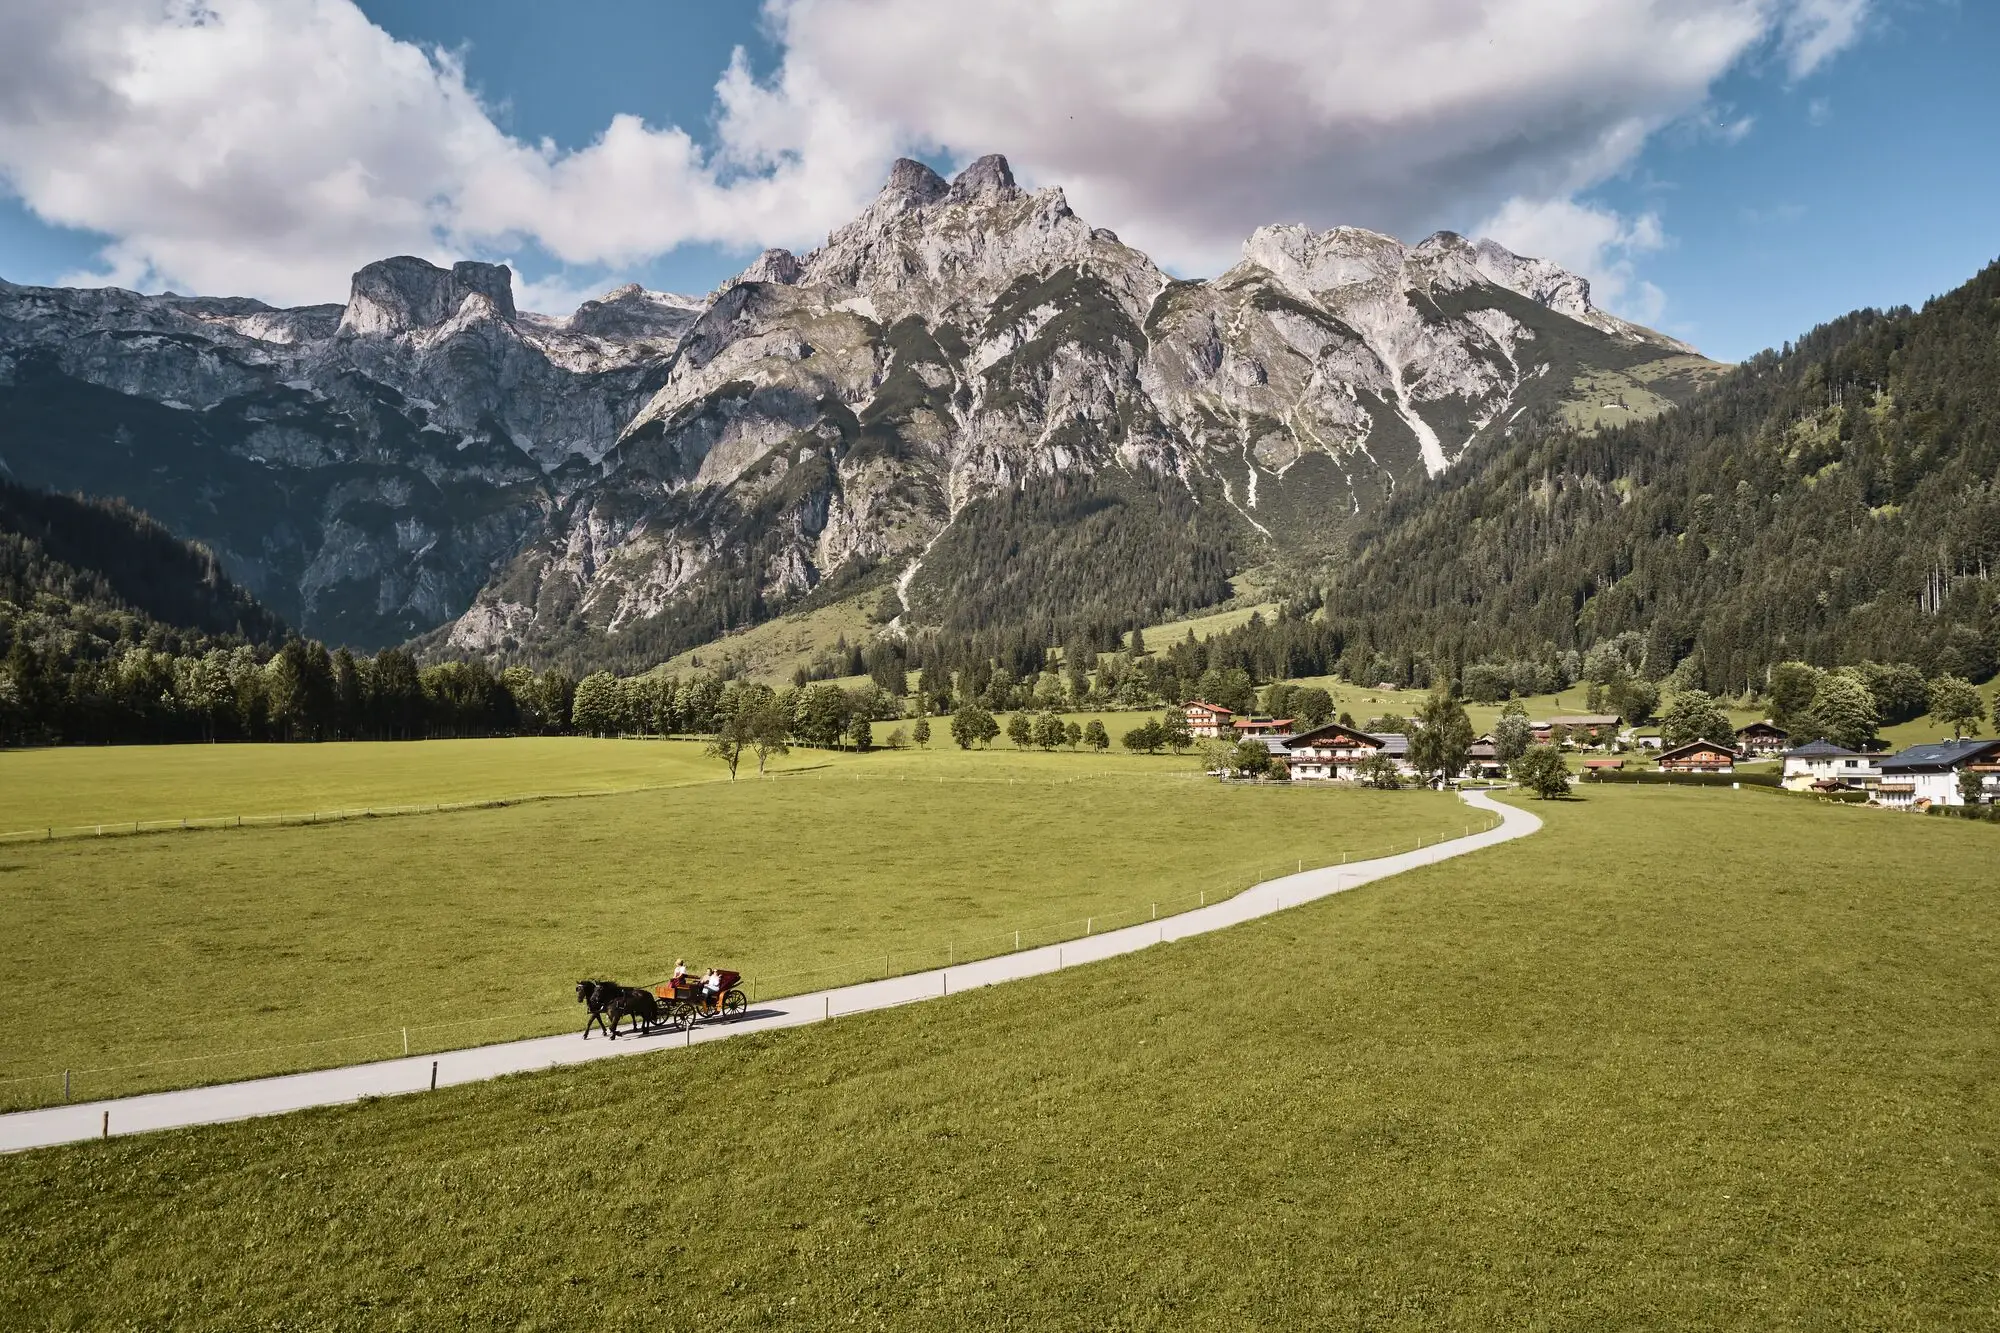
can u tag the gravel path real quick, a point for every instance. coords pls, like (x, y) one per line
(387, 1078)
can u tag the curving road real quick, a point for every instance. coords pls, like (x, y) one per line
(387, 1078)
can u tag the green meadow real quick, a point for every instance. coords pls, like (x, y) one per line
(76, 786)
(217, 954)
(1583, 1080)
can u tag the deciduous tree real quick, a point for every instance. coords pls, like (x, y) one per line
(1020, 730)
(1443, 737)
(1956, 704)
(1542, 771)
(1379, 771)
(733, 734)
(1693, 715)
(1845, 710)
(1145, 737)
(1512, 735)
(972, 725)
(1049, 731)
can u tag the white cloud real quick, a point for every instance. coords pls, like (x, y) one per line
(1185, 123)
(272, 146)
(1597, 243)
(1814, 31)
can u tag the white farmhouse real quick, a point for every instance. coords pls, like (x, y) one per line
(1824, 764)
(1928, 774)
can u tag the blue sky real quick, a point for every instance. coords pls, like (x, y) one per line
(1793, 158)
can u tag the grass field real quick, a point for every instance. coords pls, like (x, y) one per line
(1579, 1081)
(473, 926)
(87, 785)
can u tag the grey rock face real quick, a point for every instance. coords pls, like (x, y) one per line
(363, 469)
(779, 266)
(633, 314)
(397, 295)
(652, 469)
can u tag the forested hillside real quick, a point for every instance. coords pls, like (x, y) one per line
(102, 568)
(1835, 502)
(1114, 547)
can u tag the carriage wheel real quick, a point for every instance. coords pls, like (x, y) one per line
(734, 1003)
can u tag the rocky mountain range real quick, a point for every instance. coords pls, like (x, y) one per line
(653, 469)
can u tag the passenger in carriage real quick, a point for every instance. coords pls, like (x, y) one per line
(711, 988)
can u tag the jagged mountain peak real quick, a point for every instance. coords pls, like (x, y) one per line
(632, 312)
(654, 459)
(989, 175)
(1316, 262)
(942, 251)
(774, 265)
(913, 184)
(405, 293)
(1345, 264)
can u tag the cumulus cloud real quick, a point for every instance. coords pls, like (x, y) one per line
(1185, 123)
(271, 146)
(1597, 243)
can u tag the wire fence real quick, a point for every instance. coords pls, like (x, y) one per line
(126, 828)
(898, 958)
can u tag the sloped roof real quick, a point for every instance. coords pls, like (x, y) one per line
(1764, 725)
(1937, 756)
(1330, 729)
(1213, 708)
(1821, 750)
(1692, 746)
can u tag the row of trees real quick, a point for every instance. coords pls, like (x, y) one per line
(301, 692)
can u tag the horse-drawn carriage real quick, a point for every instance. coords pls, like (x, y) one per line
(682, 1002)
(688, 1001)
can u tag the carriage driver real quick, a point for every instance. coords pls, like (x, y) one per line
(680, 971)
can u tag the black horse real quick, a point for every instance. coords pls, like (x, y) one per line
(641, 1006)
(597, 997)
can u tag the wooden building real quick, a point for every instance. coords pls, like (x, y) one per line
(1330, 753)
(1763, 739)
(1699, 757)
(1208, 721)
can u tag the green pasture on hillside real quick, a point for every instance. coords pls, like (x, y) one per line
(1578, 1081)
(474, 926)
(1365, 702)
